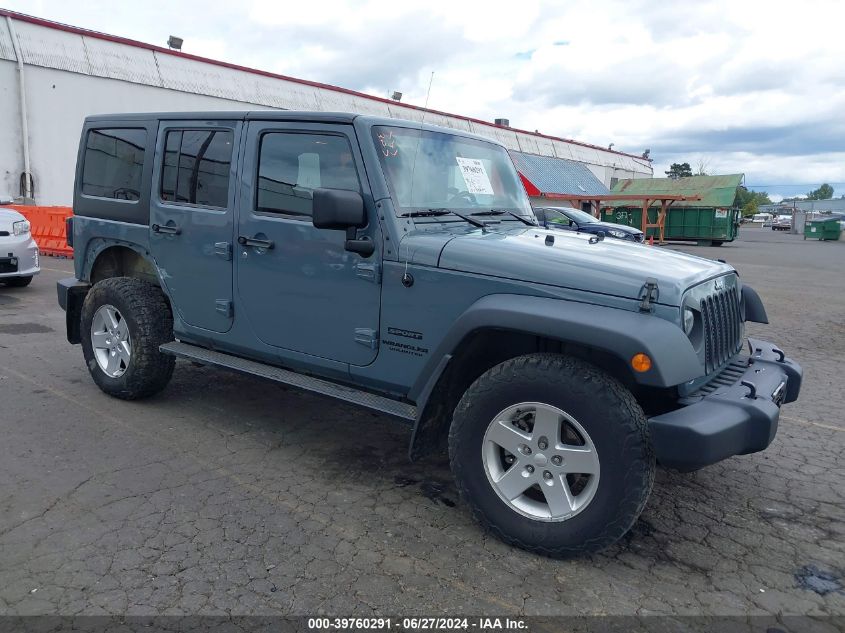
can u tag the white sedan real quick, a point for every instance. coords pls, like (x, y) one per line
(18, 251)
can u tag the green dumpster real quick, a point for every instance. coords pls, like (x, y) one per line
(705, 225)
(701, 209)
(822, 229)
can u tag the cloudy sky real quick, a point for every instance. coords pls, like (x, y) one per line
(735, 86)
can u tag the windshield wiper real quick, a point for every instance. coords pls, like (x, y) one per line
(424, 214)
(506, 212)
(436, 212)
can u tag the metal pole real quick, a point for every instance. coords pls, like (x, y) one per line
(27, 176)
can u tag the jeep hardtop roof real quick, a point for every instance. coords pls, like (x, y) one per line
(281, 115)
(273, 115)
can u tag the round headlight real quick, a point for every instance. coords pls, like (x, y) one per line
(689, 320)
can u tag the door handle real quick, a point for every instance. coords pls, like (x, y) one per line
(170, 230)
(257, 243)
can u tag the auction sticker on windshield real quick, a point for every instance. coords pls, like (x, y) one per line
(475, 175)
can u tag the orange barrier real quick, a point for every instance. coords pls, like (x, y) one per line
(48, 228)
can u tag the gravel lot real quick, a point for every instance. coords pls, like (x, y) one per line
(228, 495)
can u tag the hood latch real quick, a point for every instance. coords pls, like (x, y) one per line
(648, 293)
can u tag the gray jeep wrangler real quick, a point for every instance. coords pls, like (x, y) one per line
(398, 266)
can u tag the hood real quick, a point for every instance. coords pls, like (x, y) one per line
(614, 267)
(599, 226)
(618, 227)
(9, 217)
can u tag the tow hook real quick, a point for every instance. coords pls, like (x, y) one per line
(751, 387)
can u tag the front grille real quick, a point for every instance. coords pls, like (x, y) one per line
(639, 237)
(722, 328)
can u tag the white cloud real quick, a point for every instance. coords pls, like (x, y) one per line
(753, 86)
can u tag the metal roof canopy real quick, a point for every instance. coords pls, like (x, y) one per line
(665, 200)
(541, 174)
(712, 191)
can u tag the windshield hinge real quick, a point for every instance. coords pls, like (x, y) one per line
(648, 293)
(223, 249)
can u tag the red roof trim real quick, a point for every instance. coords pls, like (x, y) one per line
(530, 188)
(167, 51)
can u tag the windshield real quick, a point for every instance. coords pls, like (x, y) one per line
(436, 170)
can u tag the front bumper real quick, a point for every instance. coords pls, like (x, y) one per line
(736, 417)
(18, 256)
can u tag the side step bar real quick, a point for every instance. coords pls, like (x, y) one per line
(277, 374)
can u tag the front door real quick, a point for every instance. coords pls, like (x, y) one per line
(298, 287)
(192, 218)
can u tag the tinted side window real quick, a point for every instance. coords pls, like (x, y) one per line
(196, 167)
(291, 166)
(113, 163)
(558, 217)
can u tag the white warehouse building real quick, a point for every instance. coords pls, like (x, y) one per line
(52, 76)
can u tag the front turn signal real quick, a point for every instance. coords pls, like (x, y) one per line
(641, 362)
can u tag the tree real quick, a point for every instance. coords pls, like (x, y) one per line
(703, 166)
(825, 192)
(679, 170)
(749, 201)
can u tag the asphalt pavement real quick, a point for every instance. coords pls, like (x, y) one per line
(229, 495)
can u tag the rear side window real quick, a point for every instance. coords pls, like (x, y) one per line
(113, 163)
(292, 165)
(196, 167)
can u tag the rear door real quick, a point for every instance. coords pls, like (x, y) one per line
(192, 218)
(298, 287)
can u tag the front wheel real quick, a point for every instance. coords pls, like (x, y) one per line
(552, 454)
(124, 321)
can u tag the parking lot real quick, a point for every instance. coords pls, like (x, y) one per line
(228, 495)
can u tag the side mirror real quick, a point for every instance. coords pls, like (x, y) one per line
(342, 210)
(338, 209)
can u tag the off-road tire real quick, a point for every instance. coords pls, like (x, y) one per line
(607, 411)
(147, 313)
(17, 282)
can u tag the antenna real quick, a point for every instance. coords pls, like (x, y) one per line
(407, 278)
(419, 136)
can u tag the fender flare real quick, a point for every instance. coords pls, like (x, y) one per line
(98, 245)
(622, 333)
(752, 306)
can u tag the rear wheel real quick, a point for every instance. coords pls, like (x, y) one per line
(124, 321)
(552, 454)
(18, 282)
